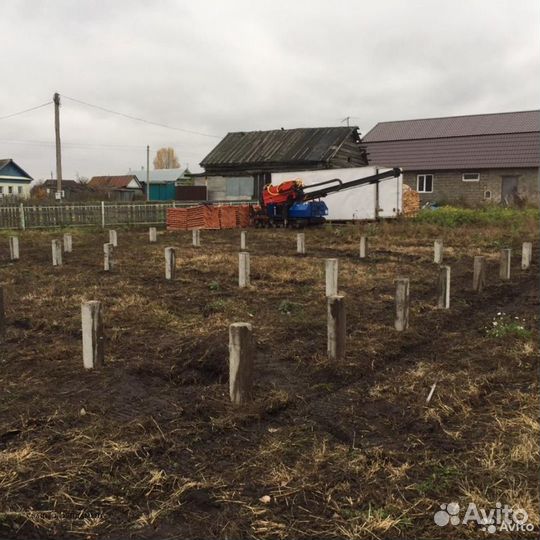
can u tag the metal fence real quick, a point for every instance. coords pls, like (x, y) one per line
(98, 214)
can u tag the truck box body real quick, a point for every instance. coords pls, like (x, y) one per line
(357, 203)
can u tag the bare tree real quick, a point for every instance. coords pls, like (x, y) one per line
(166, 159)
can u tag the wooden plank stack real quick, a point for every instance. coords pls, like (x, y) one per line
(208, 217)
(227, 217)
(242, 216)
(176, 219)
(411, 201)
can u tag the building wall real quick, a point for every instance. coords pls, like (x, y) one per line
(14, 188)
(227, 188)
(164, 191)
(449, 187)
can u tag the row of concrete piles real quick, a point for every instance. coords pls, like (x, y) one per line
(241, 341)
(241, 338)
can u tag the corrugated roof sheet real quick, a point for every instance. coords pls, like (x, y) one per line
(115, 182)
(456, 126)
(160, 175)
(302, 145)
(471, 152)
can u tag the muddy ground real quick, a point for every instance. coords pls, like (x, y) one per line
(149, 446)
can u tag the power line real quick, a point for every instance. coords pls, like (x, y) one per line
(89, 146)
(68, 143)
(25, 110)
(140, 119)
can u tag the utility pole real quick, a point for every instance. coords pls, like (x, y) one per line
(147, 172)
(56, 99)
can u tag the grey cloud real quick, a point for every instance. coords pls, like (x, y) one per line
(214, 67)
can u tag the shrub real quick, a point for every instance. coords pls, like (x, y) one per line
(503, 325)
(451, 216)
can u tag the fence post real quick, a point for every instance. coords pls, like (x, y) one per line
(14, 248)
(331, 277)
(438, 247)
(363, 247)
(152, 234)
(92, 334)
(170, 263)
(243, 240)
(402, 304)
(243, 269)
(526, 255)
(336, 327)
(56, 247)
(68, 243)
(113, 237)
(196, 237)
(108, 257)
(21, 216)
(444, 287)
(2, 315)
(479, 273)
(102, 214)
(301, 243)
(241, 353)
(504, 271)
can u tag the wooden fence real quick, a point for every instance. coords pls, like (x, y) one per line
(98, 214)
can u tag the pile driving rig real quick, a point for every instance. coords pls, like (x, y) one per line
(293, 204)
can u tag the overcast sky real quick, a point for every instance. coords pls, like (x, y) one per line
(235, 65)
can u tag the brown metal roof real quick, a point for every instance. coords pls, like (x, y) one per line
(298, 146)
(500, 140)
(475, 152)
(112, 182)
(456, 126)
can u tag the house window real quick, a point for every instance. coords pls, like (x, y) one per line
(424, 183)
(487, 195)
(471, 177)
(239, 187)
(2, 190)
(10, 189)
(19, 190)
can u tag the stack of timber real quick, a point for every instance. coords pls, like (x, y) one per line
(227, 217)
(208, 217)
(177, 219)
(411, 201)
(242, 216)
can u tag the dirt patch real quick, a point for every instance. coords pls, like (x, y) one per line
(149, 445)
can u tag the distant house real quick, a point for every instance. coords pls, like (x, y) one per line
(118, 188)
(243, 162)
(14, 181)
(463, 159)
(71, 189)
(163, 182)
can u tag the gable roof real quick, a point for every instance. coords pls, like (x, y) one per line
(113, 182)
(72, 185)
(301, 146)
(9, 163)
(501, 140)
(456, 126)
(161, 175)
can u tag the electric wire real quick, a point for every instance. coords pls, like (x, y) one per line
(138, 119)
(25, 110)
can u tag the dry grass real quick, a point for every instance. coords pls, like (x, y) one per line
(149, 445)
